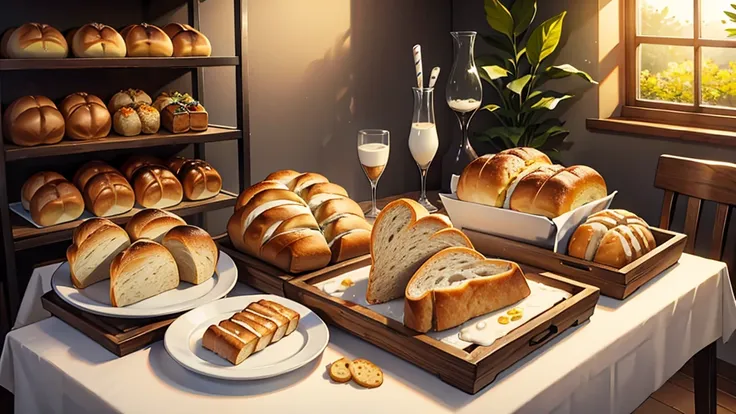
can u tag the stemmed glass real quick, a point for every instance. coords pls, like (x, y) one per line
(373, 150)
(423, 140)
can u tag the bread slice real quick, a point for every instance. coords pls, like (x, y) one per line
(95, 244)
(194, 251)
(282, 322)
(365, 373)
(291, 315)
(143, 270)
(404, 236)
(263, 328)
(458, 284)
(227, 344)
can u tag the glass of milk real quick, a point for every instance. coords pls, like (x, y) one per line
(373, 149)
(423, 140)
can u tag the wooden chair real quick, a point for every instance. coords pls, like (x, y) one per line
(700, 180)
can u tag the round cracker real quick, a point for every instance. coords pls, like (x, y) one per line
(340, 370)
(366, 374)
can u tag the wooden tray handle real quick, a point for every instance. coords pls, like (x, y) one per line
(543, 336)
(576, 265)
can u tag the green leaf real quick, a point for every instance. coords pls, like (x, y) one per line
(508, 134)
(499, 18)
(732, 15)
(565, 70)
(523, 12)
(549, 102)
(521, 53)
(731, 32)
(544, 39)
(495, 72)
(491, 107)
(539, 141)
(517, 85)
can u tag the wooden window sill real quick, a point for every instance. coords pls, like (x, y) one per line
(662, 130)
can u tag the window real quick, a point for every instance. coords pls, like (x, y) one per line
(681, 61)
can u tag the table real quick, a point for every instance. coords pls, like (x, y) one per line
(608, 365)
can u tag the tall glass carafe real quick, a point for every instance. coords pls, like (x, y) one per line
(464, 94)
(423, 140)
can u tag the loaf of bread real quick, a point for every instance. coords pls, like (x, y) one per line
(33, 120)
(187, 40)
(149, 117)
(131, 165)
(405, 236)
(85, 116)
(143, 270)
(251, 330)
(128, 97)
(97, 40)
(199, 180)
(283, 176)
(458, 284)
(34, 182)
(108, 194)
(146, 40)
(127, 122)
(56, 202)
(612, 237)
(90, 169)
(95, 243)
(180, 117)
(194, 251)
(524, 179)
(152, 224)
(156, 187)
(34, 41)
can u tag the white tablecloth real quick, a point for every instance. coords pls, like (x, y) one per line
(608, 365)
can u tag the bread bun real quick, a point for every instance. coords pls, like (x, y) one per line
(95, 243)
(89, 170)
(147, 40)
(150, 118)
(56, 202)
(194, 251)
(199, 180)
(127, 97)
(96, 40)
(187, 40)
(33, 120)
(85, 116)
(174, 163)
(34, 40)
(127, 122)
(156, 187)
(152, 224)
(108, 194)
(34, 182)
(141, 271)
(133, 163)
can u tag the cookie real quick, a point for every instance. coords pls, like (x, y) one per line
(366, 374)
(340, 370)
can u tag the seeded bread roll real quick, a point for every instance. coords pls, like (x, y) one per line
(56, 202)
(34, 41)
(144, 40)
(95, 243)
(33, 120)
(34, 182)
(194, 251)
(97, 40)
(108, 194)
(152, 224)
(128, 97)
(127, 122)
(156, 187)
(150, 118)
(85, 116)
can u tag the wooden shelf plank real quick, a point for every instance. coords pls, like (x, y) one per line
(26, 236)
(116, 142)
(661, 130)
(127, 62)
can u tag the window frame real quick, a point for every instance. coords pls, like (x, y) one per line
(688, 114)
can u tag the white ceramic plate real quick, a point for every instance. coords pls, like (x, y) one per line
(96, 298)
(183, 341)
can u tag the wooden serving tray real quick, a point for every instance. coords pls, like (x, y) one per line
(119, 336)
(468, 369)
(615, 283)
(270, 279)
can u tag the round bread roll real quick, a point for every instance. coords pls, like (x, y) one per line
(152, 224)
(33, 120)
(108, 194)
(199, 180)
(187, 40)
(4, 42)
(150, 118)
(147, 40)
(56, 202)
(127, 122)
(174, 163)
(33, 183)
(34, 40)
(97, 40)
(128, 97)
(194, 251)
(87, 171)
(156, 187)
(85, 116)
(133, 163)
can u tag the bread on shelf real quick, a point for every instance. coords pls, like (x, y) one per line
(34, 41)
(156, 187)
(405, 236)
(187, 40)
(150, 118)
(85, 116)
(146, 40)
(152, 224)
(108, 194)
(97, 40)
(612, 237)
(143, 270)
(181, 113)
(132, 164)
(95, 243)
(88, 170)
(174, 163)
(33, 120)
(199, 179)
(194, 251)
(34, 182)
(127, 122)
(56, 202)
(128, 97)
(458, 284)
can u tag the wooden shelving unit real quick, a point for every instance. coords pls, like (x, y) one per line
(17, 235)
